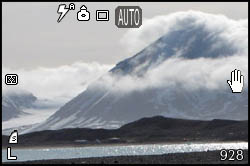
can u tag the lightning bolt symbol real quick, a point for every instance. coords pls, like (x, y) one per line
(62, 10)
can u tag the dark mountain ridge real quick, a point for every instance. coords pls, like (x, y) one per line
(146, 130)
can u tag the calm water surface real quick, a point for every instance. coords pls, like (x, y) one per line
(121, 150)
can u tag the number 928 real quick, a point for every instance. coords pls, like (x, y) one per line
(231, 154)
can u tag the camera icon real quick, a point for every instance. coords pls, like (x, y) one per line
(11, 79)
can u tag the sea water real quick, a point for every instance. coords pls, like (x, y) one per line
(117, 150)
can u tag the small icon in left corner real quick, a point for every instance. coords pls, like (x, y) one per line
(63, 10)
(11, 79)
(12, 140)
(9, 156)
(13, 137)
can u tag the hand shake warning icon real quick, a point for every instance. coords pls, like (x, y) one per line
(236, 83)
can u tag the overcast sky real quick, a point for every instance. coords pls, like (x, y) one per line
(32, 37)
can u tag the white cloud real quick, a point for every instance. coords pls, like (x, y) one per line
(152, 29)
(62, 83)
(191, 74)
(212, 72)
(177, 69)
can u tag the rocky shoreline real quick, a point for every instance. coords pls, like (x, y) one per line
(210, 157)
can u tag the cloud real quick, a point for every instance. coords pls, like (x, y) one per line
(191, 74)
(152, 29)
(61, 83)
(166, 63)
(206, 49)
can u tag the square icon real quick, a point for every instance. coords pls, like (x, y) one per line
(102, 15)
(11, 79)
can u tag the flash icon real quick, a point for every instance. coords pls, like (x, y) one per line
(63, 10)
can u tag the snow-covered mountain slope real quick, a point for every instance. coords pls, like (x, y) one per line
(183, 74)
(21, 109)
(27, 120)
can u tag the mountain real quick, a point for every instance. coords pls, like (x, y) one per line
(13, 104)
(21, 110)
(155, 129)
(121, 97)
